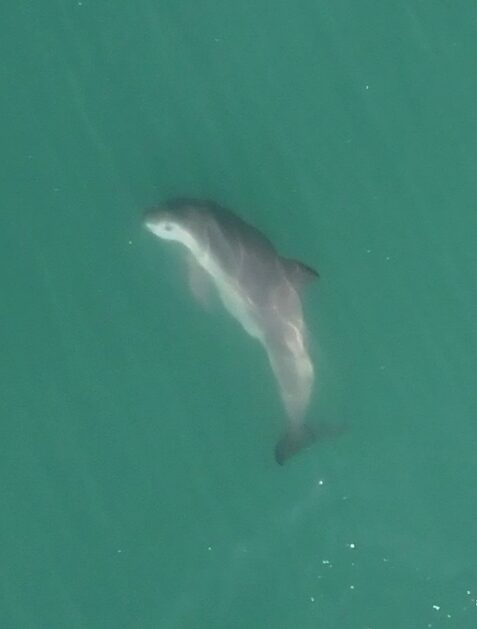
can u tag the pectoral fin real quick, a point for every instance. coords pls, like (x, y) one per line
(199, 282)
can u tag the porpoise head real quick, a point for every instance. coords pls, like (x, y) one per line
(178, 219)
(168, 225)
(164, 224)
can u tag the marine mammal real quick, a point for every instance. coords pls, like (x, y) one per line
(258, 287)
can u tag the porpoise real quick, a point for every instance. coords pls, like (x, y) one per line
(258, 287)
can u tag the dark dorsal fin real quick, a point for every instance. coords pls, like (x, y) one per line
(298, 273)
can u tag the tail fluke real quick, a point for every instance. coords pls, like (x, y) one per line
(296, 439)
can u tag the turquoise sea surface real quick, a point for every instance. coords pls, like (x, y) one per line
(138, 484)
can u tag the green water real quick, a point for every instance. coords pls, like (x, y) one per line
(138, 486)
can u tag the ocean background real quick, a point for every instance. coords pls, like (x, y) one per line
(138, 485)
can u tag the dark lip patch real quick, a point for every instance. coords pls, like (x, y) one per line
(152, 216)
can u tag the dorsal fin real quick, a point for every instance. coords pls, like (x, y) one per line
(298, 273)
